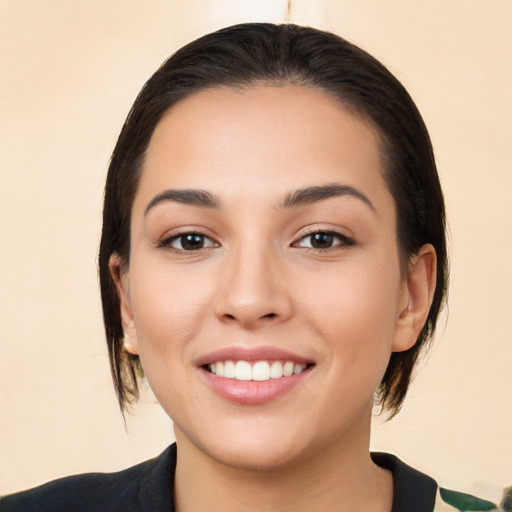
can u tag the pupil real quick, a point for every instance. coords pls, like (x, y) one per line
(322, 240)
(190, 242)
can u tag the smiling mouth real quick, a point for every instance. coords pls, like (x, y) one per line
(258, 371)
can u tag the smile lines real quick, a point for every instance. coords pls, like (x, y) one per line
(258, 371)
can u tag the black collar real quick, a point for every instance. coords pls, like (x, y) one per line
(412, 491)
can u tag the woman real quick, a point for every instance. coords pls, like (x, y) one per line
(274, 251)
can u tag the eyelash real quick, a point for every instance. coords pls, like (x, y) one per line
(343, 241)
(167, 242)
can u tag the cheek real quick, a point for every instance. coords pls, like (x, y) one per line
(169, 308)
(354, 309)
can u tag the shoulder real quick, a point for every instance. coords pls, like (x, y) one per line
(146, 486)
(414, 491)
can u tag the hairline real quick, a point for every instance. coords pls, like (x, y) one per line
(349, 107)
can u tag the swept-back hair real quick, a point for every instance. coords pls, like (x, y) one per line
(260, 53)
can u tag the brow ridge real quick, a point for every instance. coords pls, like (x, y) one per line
(310, 195)
(192, 197)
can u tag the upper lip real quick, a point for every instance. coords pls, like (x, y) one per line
(237, 353)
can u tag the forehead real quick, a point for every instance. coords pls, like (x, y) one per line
(289, 136)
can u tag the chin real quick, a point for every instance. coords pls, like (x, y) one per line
(256, 449)
(256, 457)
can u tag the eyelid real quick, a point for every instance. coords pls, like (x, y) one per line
(166, 241)
(345, 240)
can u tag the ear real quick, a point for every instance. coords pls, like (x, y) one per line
(120, 275)
(416, 294)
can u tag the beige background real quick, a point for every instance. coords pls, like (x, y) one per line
(69, 73)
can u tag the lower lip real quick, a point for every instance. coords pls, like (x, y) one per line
(250, 392)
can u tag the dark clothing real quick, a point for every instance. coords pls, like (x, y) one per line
(147, 488)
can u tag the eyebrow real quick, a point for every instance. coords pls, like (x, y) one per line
(200, 198)
(310, 195)
(300, 197)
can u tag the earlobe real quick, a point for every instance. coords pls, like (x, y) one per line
(121, 280)
(129, 345)
(415, 298)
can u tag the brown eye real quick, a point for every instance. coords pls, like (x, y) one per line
(324, 240)
(188, 242)
(191, 242)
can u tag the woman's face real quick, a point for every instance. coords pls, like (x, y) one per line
(263, 243)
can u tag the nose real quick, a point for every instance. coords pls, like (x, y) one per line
(253, 291)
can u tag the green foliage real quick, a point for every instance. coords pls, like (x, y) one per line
(506, 503)
(466, 502)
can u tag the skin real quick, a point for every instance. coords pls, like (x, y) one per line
(259, 282)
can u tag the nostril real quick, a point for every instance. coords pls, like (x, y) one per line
(270, 315)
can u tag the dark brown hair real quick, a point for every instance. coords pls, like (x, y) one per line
(261, 53)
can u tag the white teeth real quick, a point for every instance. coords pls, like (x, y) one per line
(299, 368)
(257, 371)
(261, 371)
(243, 371)
(229, 370)
(276, 370)
(288, 369)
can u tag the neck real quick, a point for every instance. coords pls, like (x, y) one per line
(342, 478)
